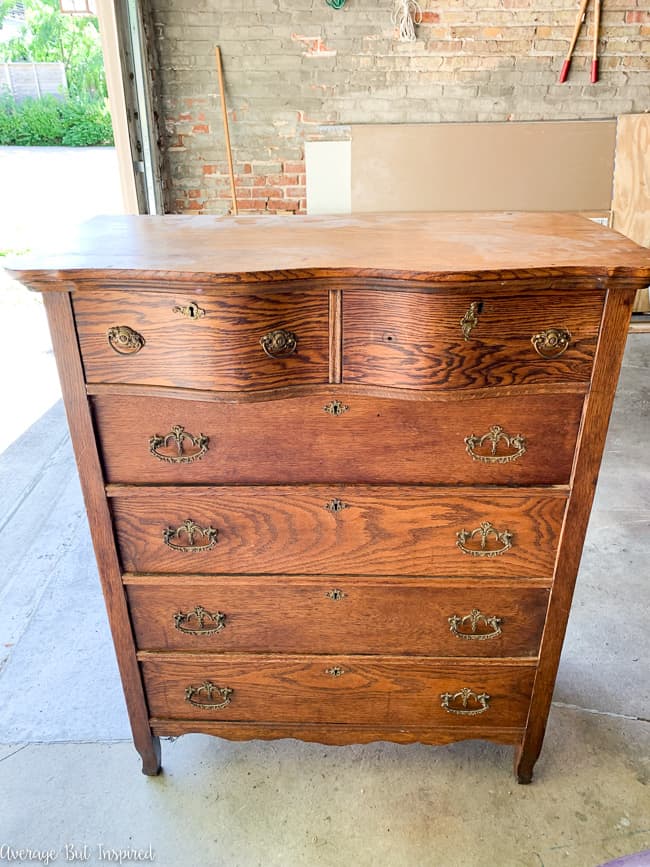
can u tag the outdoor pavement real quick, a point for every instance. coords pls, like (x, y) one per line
(69, 773)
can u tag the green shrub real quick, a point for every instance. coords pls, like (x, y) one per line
(72, 122)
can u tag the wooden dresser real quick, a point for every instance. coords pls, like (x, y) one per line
(338, 471)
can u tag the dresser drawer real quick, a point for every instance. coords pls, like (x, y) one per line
(469, 340)
(337, 689)
(293, 615)
(488, 441)
(220, 349)
(338, 530)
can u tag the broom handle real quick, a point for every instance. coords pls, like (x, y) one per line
(226, 131)
(594, 61)
(574, 39)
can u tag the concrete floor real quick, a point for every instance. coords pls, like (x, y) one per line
(69, 774)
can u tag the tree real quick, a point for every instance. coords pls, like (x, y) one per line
(50, 36)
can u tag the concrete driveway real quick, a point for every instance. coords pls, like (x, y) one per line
(43, 192)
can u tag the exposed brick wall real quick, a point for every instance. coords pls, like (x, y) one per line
(297, 70)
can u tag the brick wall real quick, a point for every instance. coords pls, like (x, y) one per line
(297, 70)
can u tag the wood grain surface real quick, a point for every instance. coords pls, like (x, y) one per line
(337, 735)
(221, 350)
(378, 690)
(446, 246)
(281, 614)
(415, 340)
(293, 440)
(382, 530)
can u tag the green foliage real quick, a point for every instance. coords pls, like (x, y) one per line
(50, 121)
(48, 36)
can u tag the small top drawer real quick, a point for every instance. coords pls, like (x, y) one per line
(226, 343)
(452, 340)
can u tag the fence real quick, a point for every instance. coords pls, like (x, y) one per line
(31, 80)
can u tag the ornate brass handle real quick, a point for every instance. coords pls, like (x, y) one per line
(552, 342)
(474, 618)
(335, 407)
(484, 532)
(190, 311)
(279, 343)
(210, 691)
(207, 622)
(336, 594)
(493, 438)
(188, 536)
(335, 671)
(177, 437)
(336, 505)
(470, 319)
(124, 340)
(466, 697)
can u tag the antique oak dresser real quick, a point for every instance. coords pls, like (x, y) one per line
(338, 471)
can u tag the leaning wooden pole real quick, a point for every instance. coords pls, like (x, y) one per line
(226, 130)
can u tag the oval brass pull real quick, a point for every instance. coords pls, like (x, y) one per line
(336, 505)
(208, 689)
(279, 343)
(552, 342)
(335, 407)
(336, 594)
(465, 702)
(177, 437)
(493, 439)
(470, 319)
(484, 533)
(190, 538)
(190, 311)
(124, 340)
(207, 622)
(474, 619)
(335, 671)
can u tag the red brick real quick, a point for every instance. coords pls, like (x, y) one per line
(293, 168)
(429, 18)
(194, 194)
(210, 170)
(253, 205)
(201, 128)
(637, 17)
(269, 192)
(294, 192)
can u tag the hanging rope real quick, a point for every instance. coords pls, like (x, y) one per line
(406, 15)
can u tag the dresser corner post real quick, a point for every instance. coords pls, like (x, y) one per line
(58, 306)
(524, 764)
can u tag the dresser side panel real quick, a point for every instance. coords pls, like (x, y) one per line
(64, 340)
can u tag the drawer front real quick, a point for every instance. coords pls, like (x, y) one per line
(337, 530)
(219, 350)
(287, 615)
(416, 340)
(489, 441)
(335, 689)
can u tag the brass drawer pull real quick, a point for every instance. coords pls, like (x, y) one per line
(335, 671)
(493, 438)
(470, 319)
(484, 532)
(336, 505)
(279, 343)
(124, 340)
(207, 622)
(335, 407)
(210, 691)
(184, 538)
(552, 342)
(336, 594)
(177, 436)
(474, 618)
(467, 698)
(190, 311)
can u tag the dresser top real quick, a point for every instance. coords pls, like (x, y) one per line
(442, 246)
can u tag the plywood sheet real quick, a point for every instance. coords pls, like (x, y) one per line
(631, 200)
(541, 166)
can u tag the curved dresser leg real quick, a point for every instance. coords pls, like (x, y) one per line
(150, 755)
(524, 764)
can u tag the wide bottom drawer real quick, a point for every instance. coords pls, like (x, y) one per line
(279, 614)
(337, 689)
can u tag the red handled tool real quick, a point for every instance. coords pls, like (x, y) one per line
(582, 12)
